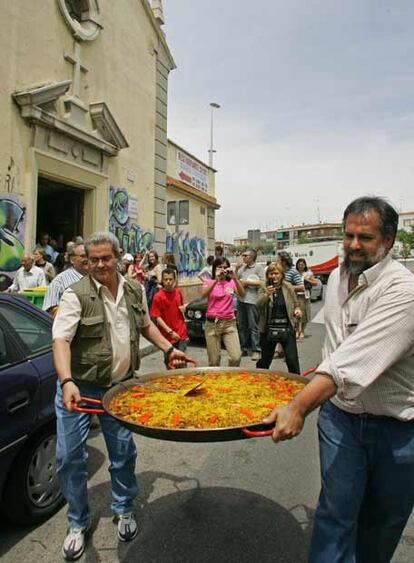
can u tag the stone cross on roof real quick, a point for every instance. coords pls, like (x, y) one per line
(74, 104)
(77, 68)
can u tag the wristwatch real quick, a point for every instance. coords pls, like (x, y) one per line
(167, 353)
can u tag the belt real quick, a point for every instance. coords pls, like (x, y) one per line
(216, 319)
(369, 416)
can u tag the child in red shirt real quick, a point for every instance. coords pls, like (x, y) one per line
(167, 308)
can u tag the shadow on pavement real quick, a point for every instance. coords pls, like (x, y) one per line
(11, 534)
(209, 525)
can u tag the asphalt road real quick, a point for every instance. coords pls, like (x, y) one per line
(241, 501)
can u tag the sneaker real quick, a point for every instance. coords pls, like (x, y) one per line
(127, 527)
(256, 356)
(74, 544)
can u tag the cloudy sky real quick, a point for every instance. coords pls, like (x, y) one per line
(317, 104)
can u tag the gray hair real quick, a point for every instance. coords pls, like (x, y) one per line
(71, 248)
(103, 237)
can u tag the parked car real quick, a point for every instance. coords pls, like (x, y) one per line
(317, 291)
(29, 490)
(195, 317)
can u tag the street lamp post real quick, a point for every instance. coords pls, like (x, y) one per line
(213, 106)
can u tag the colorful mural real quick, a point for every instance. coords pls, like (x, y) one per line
(192, 252)
(131, 236)
(12, 227)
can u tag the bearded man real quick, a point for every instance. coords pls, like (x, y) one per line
(365, 385)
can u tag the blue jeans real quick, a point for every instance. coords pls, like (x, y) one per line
(248, 325)
(71, 457)
(367, 470)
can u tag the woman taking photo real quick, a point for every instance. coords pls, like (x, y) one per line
(308, 280)
(278, 309)
(220, 318)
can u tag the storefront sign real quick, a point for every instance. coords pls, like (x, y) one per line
(191, 172)
(132, 207)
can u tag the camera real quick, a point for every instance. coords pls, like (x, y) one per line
(228, 272)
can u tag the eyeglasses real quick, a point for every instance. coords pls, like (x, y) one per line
(80, 255)
(105, 259)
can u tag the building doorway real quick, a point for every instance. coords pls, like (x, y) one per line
(60, 210)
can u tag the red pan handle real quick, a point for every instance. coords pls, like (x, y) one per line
(307, 372)
(77, 408)
(187, 360)
(257, 434)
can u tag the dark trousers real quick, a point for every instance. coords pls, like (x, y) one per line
(289, 348)
(367, 470)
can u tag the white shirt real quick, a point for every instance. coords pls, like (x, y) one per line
(24, 279)
(369, 343)
(68, 316)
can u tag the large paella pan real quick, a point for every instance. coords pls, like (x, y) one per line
(228, 404)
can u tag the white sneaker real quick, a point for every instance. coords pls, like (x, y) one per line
(74, 544)
(256, 356)
(127, 527)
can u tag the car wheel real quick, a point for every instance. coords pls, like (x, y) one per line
(32, 491)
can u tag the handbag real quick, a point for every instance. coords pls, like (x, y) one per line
(277, 330)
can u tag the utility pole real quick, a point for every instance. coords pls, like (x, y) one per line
(213, 106)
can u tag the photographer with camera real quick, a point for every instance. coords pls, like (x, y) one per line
(220, 318)
(278, 310)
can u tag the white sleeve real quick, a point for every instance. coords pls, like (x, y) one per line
(67, 317)
(146, 318)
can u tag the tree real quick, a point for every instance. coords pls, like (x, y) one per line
(407, 240)
(304, 239)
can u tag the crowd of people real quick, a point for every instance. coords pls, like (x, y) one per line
(363, 384)
(256, 311)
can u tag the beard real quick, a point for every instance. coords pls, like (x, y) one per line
(366, 261)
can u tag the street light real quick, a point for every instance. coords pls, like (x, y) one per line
(213, 106)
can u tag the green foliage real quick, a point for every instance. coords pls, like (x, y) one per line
(304, 239)
(407, 240)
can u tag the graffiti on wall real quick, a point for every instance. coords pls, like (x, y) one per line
(9, 181)
(192, 252)
(12, 227)
(131, 236)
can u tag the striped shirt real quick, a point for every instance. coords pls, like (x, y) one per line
(293, 277)
(369, 343)
(58, 285)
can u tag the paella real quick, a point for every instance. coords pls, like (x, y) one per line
(224, 399)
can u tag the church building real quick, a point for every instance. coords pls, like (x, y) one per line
(83, 139)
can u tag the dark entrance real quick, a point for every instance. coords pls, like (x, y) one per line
(59, 211)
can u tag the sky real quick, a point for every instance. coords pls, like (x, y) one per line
(317, 104)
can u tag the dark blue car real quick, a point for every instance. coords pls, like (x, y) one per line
(29, 491)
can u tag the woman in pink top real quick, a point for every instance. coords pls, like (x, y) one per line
(220, 317)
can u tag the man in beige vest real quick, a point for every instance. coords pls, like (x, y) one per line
(96, 345)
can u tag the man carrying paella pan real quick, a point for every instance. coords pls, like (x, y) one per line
(365, 385)
(96, 345)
